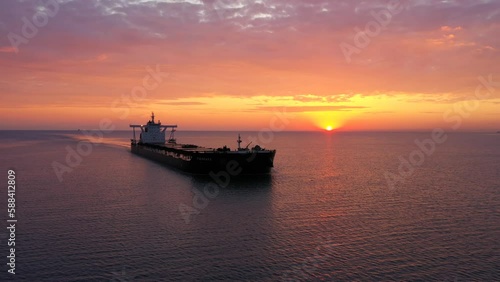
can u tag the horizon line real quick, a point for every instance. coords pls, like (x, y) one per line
(283, 131)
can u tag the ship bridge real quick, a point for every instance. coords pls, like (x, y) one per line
(153, 132)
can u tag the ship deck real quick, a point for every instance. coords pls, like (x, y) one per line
(195, 149)
(188, 148)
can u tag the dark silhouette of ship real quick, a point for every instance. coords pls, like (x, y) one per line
(196, 159)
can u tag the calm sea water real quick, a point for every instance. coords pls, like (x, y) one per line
(325, 213)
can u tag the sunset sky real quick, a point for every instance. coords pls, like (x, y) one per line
(228, 65)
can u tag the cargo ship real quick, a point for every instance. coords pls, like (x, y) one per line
(152, 144)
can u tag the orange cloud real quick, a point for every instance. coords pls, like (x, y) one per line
(450, 29)
(8, 49)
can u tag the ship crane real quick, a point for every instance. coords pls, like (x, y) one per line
(239, 144)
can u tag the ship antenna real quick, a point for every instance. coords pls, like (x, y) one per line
(239, 141)
(153, 117)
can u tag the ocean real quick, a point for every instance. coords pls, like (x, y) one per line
(337, 206)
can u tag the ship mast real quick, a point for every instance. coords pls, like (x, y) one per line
(239, 142)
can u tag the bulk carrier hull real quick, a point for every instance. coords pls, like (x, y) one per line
(196, 159)
(196, 162)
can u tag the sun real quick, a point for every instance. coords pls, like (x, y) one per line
(329, 128)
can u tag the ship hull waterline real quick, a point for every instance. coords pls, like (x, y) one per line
(233, 162)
